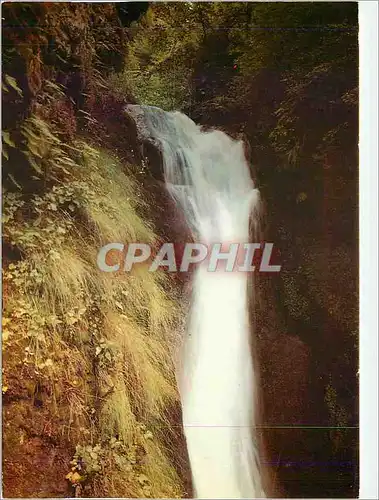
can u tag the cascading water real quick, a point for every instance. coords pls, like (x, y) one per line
(208, 176)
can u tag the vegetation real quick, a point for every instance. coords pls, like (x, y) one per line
(98, 347)
(94, 350)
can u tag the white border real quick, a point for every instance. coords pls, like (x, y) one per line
(368, 247)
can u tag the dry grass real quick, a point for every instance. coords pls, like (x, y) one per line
(109, 337)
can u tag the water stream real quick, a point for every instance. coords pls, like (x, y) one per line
(207, 174)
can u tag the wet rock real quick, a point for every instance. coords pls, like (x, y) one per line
(149, 149)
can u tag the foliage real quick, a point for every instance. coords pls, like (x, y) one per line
(215, 66)
(159, 56)
(101, 344)
(91, 463)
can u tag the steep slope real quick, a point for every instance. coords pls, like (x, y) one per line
(90, 405)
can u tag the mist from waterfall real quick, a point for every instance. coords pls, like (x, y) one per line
(207, 174)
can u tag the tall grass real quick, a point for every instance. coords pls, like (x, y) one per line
(101, 342)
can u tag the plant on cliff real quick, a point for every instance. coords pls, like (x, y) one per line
(96, 348)
(93, 350)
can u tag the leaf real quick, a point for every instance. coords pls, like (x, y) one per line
(71, 321)
(301, 197)
(74, 477)
(7, 139)
(13, 83)
(34, 164)
(142, 479)
(53, 86)
(148, 435)
(14, 181)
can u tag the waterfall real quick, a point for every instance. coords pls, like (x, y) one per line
(207, 174)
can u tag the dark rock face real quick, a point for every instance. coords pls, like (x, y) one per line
(148, 148)
(131, 11)
(152, 154)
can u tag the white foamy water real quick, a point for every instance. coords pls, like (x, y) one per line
(207, 174)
